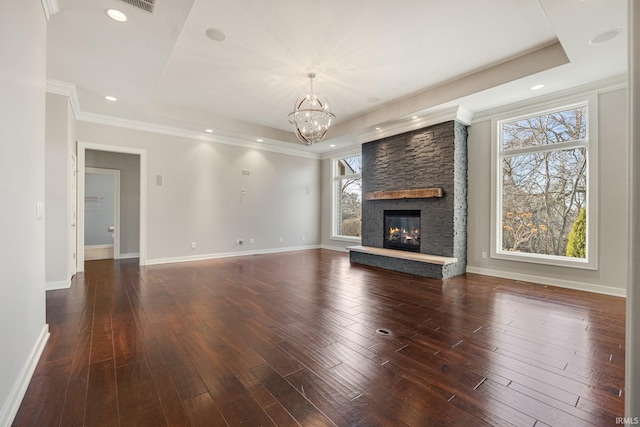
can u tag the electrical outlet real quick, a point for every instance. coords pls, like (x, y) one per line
(281, 239)
(193, 245)
(484, 255)
(240, 242)
(252, 241)
(304, 237)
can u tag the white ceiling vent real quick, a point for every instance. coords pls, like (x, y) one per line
(146, 5)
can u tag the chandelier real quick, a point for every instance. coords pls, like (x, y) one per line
(311, 116)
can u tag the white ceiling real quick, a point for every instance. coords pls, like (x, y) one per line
(379, 62)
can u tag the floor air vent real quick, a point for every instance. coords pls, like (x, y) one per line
(146, 5)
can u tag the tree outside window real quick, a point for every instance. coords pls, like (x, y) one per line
(543, 180)
(348, 202)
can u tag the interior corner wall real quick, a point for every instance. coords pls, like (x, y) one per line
(23, 331)
(611, 275)
(59, 131)
(129, 167)
(201, 198)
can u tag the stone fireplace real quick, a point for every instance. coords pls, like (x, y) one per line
(424, 173)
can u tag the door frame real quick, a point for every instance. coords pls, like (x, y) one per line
(82, 147)
(72, 217)
(115, 173)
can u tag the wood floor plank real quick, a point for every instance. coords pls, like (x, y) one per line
(102, 395)
(290, 339)
(202, 411)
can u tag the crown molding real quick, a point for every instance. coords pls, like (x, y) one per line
(456, 112)
(50, 7)
(601, 86)
(69, 90)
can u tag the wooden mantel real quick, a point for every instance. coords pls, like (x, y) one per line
(421, 193)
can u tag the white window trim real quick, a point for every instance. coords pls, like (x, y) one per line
(334, 195)
(591, 262)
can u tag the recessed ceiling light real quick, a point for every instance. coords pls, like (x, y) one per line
(111, 98)
(537, 87)
(414, 117)
(116, 15)
(332, 145)
(605, 37)
(259, 140)
(208, 130)
(215, 34)
(377, 128)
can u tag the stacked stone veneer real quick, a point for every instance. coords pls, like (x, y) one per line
(435, 156)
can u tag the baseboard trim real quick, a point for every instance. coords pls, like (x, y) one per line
(60, 284)
(204, 257)
(19, 389)
(569, 284)
(334, 248)
(129, 256)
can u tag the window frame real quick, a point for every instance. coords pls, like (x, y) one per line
(335, 179)
(591, 145)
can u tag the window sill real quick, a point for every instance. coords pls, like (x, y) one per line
(347, 239)
(550, 260)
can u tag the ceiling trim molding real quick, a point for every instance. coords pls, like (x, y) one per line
(535, 61)
(183, 133)
(345, 152)
(50, 7)
(452, 113)
(602, 86)
(69, 90)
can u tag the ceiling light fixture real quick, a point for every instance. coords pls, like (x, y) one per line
(111, 98)
(537, 87)
(116, 15)
(259, 140)
(208, 130)
(311, 116)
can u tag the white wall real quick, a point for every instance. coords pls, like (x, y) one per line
(23, 331)
(202, 201)
(59, 134)
(129, 167)
(611, 275)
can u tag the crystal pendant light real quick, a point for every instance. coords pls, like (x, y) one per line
(311, 116)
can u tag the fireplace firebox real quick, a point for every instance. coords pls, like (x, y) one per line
(402, 230)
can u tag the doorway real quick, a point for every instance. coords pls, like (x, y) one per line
(140, 225)
(101, 214)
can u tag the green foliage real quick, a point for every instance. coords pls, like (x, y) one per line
(577, 245)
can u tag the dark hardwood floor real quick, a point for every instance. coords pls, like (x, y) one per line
(290, 339)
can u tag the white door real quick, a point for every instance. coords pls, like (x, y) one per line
(101, 214)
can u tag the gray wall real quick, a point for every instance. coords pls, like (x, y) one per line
(23, 331)
(129, 167)
(202, 200)
(611, 275)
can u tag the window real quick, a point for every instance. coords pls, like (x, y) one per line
(545, 163)
(347, 223)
